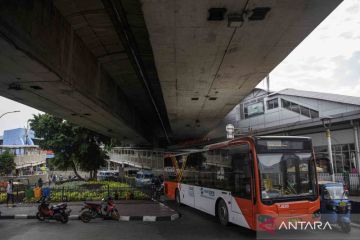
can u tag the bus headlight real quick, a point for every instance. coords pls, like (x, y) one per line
(264, 218)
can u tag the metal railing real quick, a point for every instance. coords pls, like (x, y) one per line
(93, 192)
(352, 180)
(140, 158)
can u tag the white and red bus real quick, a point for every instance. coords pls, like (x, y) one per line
(239, 179)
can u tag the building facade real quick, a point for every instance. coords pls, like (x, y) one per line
(18, 136)
(295, 112)
(29, 158)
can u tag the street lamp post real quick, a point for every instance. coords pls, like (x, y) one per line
(357, 150)
(9, 113)
(327, 125)
(27, 132)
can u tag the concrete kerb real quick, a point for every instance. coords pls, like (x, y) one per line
(122, 218)
(355, 225)
(145, 218)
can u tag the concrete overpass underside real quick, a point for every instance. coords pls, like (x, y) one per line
(146, 71)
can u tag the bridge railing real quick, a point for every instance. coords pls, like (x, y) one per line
(140, 158)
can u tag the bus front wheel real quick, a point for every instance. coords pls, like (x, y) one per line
(222, 213)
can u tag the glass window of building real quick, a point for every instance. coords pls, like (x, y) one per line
(285, 104)
(305, 111)
(254, 109)
(314, 114)
(295, 107)
(273, 103)
(302, 110)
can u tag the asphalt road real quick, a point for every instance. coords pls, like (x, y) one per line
(192, 225)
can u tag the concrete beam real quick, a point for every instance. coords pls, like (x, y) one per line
(206, 67)
(45, 65)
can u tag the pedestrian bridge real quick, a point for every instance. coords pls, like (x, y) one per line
(140, 158)
(26, 156)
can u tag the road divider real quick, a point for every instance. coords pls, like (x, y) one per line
(172, 217)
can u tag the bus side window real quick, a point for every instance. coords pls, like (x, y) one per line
(192, 167)
(240, 156)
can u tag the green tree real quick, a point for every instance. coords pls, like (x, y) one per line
(7, 164)
(73, 146)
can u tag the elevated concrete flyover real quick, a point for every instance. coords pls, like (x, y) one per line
(77, 60)
(207, 63)
(147, 71)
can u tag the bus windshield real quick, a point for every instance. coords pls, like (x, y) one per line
(286, 175)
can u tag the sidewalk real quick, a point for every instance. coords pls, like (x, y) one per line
(354, 198)
(130, 210)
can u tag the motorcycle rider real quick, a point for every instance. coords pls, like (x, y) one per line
(157, 186)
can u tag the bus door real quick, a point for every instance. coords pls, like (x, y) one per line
(187, 194)
(241, 203)
(205, 199)
(205, 194)
(189, 180)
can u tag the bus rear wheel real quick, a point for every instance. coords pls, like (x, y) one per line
(222, 213)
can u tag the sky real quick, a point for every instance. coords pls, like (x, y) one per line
(14, 120)
(328, 60)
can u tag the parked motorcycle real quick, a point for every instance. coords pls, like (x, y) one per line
(157, 187)
(335, 206)
(57, 212)
(92, 210)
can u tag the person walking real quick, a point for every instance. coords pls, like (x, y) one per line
(10, 193)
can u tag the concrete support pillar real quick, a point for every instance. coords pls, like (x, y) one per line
(328, 137)
(357, 147)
